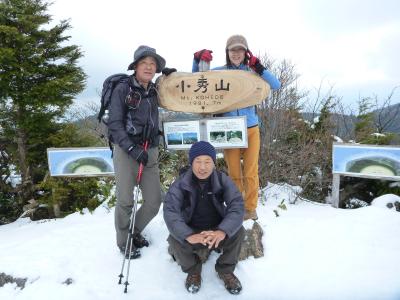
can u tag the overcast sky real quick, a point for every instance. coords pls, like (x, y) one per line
(352, 45)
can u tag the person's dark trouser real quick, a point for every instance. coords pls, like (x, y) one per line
(126, 169)
(186, 257)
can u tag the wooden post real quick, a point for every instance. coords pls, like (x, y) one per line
(335, 190)
(204, 67)
(56, 204)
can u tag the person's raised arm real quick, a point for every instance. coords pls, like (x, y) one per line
(255, 64)
(204, 55)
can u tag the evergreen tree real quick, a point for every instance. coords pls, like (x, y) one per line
(39, 78)
(366, 131)
(364, 126)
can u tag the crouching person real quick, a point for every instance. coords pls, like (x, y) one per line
(203, 209)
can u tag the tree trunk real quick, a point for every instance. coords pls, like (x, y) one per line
(26, 177)
(4, 162)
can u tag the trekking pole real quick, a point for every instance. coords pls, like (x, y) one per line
(129, 239)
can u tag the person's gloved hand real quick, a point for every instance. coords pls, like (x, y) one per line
(168, 71)
(203, 55)
(254, 63)
(139, 154)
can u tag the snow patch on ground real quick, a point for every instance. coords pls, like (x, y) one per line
(312, 251)
(384, 200)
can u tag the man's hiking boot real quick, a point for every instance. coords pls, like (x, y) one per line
(232, 283)
(250, 214)
(133, 254)
(193, 283)
(139, 241)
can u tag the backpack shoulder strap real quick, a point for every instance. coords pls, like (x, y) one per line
(186, 193)
(219, 173)
(109, 85)
(183, 170)
(221, 192)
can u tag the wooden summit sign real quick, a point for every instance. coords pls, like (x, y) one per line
(211, 92)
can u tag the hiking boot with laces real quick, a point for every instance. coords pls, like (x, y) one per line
(133, 254)
(250, 214)
(139, 241)
(232, 283)
(193, 283)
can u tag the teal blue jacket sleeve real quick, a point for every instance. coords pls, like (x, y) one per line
(271, 79)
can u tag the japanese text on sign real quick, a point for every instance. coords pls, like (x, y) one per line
(202, 85)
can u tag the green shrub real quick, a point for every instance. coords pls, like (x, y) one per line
(75, 194)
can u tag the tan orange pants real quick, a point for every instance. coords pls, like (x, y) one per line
(246, 178)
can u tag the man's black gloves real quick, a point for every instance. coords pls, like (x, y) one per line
(168, 71)
(138, 153)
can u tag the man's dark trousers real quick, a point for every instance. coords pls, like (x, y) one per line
(186, 257)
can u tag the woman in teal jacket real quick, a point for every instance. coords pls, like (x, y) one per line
(239, 57)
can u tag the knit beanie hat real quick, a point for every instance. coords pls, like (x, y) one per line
(202, 148)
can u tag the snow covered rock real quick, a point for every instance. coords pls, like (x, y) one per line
(4, 279)
(389, 201)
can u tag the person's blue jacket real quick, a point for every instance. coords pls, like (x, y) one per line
(250, 111)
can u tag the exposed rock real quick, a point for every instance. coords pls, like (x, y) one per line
(68, 281)
(32, 203)
(4, 279)
(39, 213)
(42, 212)
(397, 205)
(252, 243)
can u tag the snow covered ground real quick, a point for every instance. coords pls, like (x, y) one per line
(312, 251)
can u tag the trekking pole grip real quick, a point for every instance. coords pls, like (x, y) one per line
(141, 166)
(146, 138)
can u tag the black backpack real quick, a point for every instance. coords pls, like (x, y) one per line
(108, 87)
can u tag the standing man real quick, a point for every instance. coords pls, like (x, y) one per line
(133, 119)
(203, 209)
